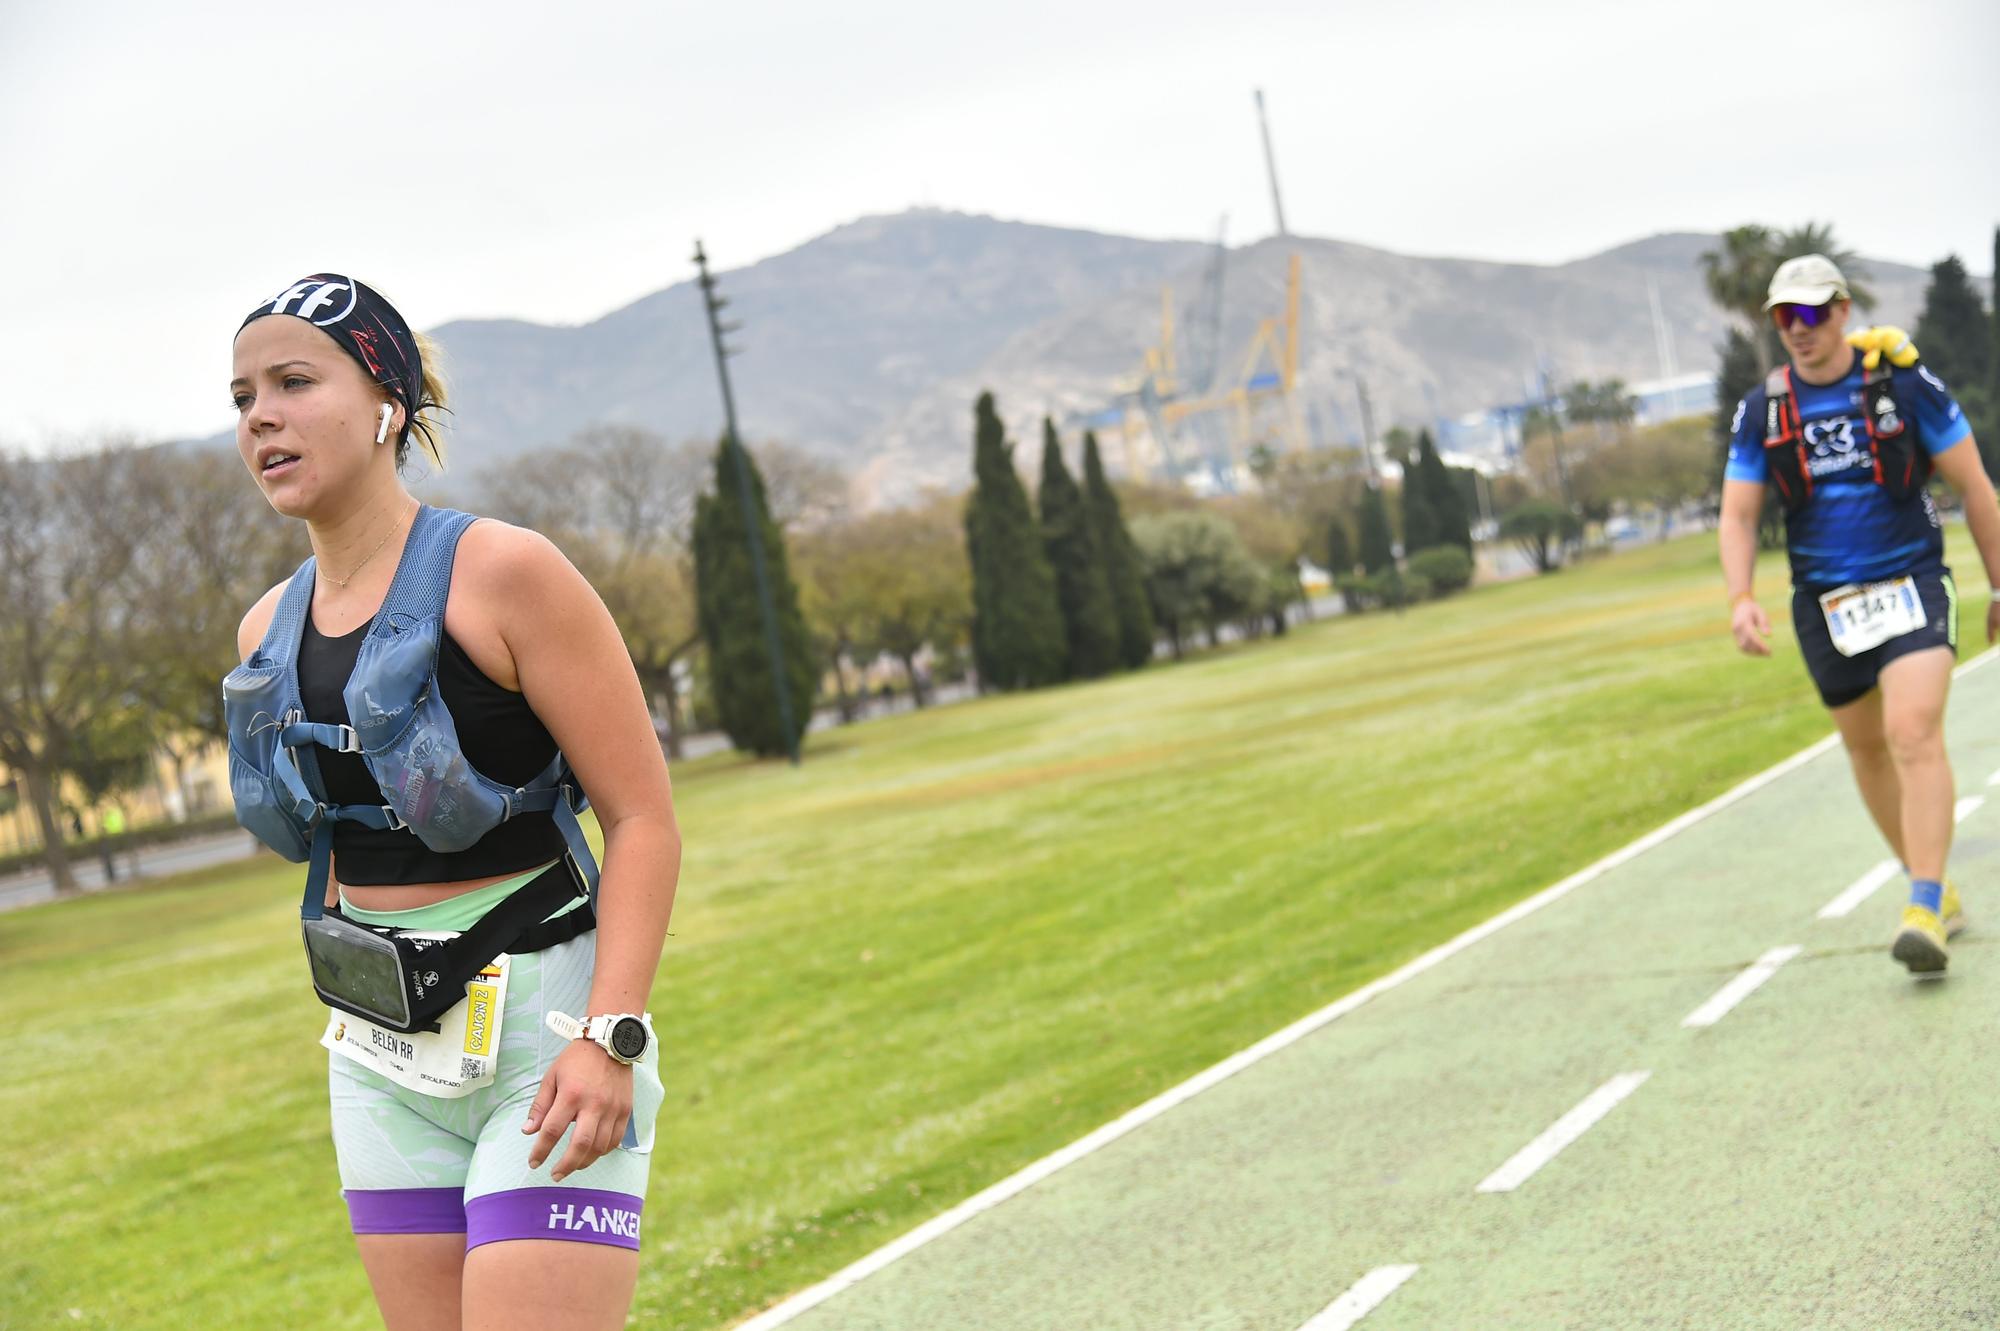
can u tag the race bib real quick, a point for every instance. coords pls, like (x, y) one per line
(1865, 616)
(456, 1059)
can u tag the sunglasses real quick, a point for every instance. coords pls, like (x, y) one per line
(1812, 316)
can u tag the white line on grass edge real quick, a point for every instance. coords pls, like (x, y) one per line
(1014, 1184)
(1362, 1298)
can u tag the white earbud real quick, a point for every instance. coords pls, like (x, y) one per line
(382, 435)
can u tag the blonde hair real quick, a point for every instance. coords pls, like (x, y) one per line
(431, 404)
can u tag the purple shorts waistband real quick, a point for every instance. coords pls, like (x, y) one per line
(580, 1215)
(406, 1210)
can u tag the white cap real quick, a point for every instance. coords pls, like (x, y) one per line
(1810, 279)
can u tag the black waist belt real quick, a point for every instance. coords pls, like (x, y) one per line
(555, 887)
(407, 983)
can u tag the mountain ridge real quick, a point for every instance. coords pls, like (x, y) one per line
(867, 343)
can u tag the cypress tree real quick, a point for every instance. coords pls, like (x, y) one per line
(1420, 523)
(1953, 333)
(1735, 376)
(1986, 422)
(1377, 546)
(732, 622)
(1124, 574)
(1446, 504)
(1017, 629)
(1993, 379)
(1090, 624)
(1339, 549)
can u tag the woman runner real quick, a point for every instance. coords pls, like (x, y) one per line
(518, 1204)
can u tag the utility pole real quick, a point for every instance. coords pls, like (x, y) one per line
(1375, 483)
(1270, 164)
(752, 528)
(1553, 413)
(1663, 341)
(1482, 501)
(1367, 428)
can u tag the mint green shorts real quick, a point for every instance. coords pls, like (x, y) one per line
(415, 1164)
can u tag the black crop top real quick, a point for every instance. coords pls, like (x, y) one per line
(500, 735)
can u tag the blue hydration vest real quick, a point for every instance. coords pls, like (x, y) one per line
(401, 730)
(1900, 467)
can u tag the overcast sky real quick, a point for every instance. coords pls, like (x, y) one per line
(164, 167)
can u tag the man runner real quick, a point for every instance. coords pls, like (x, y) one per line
(1849, 443)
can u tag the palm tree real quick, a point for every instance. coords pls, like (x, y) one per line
(1739, 275)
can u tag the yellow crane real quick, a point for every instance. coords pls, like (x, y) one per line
(1254, 406)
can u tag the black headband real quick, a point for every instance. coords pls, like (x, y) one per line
(363, 325)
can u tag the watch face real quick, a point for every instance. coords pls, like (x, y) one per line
(628, 1037)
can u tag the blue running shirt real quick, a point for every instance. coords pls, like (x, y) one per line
(1851, 530)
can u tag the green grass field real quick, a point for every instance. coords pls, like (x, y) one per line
(949, 944)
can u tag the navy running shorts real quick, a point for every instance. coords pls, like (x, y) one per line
(1844, 679)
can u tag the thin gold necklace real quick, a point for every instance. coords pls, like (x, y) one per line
(342, 582)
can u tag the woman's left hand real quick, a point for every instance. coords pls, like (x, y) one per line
(589, 1088)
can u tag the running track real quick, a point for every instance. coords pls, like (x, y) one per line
(1686, 1088)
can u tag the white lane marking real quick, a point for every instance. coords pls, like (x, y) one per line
(1741, 987)
(1362, 1298)
(1014, 1184)
(1866, 885)
(1994, 780)
(1860, 890)
(1524, 1162)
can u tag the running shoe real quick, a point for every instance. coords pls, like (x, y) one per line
(1920, 943)
(1949, 908)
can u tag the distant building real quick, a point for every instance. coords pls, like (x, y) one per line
(1494, 435)
(1670, 399)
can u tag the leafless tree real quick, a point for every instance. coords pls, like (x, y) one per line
(70, 533)
(209, 547)
(619, 502)
(804, 490)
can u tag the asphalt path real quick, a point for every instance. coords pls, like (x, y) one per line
(1687, 1092)
(153, 862)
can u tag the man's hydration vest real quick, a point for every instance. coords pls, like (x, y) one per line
(1901, 467)
(400, 728)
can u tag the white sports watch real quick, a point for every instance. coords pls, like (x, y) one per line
(623, 1035)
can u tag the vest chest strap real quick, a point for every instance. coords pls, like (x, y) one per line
(1781, 411)
(1879, 408)
(307, 807)
(341, 739)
